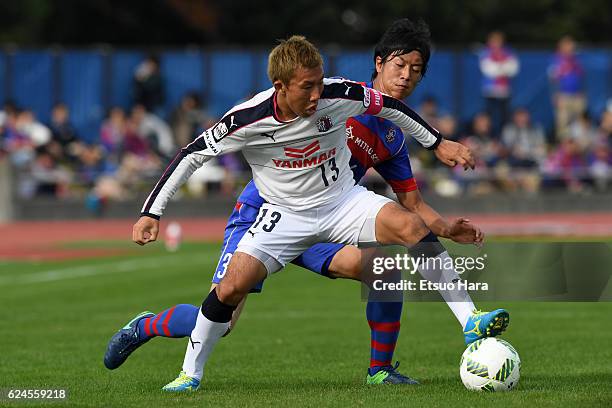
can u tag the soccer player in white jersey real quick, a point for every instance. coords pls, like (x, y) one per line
(293, 138)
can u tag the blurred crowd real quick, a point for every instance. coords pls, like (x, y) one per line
(133, 146)
(514, 152)
(129, 153)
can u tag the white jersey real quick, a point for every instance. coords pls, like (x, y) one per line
(298, 164)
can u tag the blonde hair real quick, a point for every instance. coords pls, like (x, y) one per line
(290, 55)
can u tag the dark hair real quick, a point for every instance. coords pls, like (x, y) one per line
(402, 37)
(154, 58)
(195, 97)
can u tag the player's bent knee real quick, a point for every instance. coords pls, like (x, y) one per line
(350, 269)
(230, 293)
(346, 264)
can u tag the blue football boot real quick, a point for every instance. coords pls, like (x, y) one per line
(485, 324)
(124, 342)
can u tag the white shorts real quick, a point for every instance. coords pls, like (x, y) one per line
(280, 235)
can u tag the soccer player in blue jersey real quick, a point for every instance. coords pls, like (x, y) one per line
(400, 59)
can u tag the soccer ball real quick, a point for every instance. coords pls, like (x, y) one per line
(490, 364)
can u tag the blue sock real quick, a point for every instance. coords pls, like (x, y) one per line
(178, 321)
(384, 321)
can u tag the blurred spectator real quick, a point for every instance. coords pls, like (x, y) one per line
(583, 131)
(188, 118)
(605, 126)
(525, 144)
(65, 142)
(123, 144)
(567, 165)
(430, 111)
(222, 170)
(14, 142)
(481, 139)
(566, 75)
(91, 165)
(211, 172)
(138, 160)
(447, 125)
(498, 66)
(61, 129)
(486, 150)
(38, 133)
(155, 131)
(47, 177)
(149, 84)
(9, 107)
(525, 141)
(134, 143)
(112, 134)
(600, 165)
(124, 160)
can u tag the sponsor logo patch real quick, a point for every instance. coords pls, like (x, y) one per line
(306, 160)
(300, 153)
(211, 142)
(373, 107)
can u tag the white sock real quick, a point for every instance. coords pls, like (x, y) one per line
(458, 300)
(204, 336)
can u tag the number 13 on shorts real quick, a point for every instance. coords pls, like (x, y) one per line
(267, 221)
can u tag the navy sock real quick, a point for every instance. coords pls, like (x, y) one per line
(429, 246)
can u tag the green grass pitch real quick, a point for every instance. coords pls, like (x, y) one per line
(303, 342)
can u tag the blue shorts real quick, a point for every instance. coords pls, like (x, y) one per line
(316, 258)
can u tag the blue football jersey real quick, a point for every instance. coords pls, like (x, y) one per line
(381, 145)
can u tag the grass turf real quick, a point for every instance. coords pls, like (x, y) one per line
(304, 342)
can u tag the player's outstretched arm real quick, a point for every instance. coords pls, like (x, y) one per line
(385, 106)
(461, 230)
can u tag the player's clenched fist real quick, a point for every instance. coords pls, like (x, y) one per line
(145, 230)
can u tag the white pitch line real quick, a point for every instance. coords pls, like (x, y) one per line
(99, 269)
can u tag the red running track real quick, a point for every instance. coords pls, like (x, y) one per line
(34, 240)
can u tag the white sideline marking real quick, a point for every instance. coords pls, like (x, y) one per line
(98, 269)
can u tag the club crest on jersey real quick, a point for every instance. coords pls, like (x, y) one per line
(219, 131)
(390, 136)
(324, 123)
